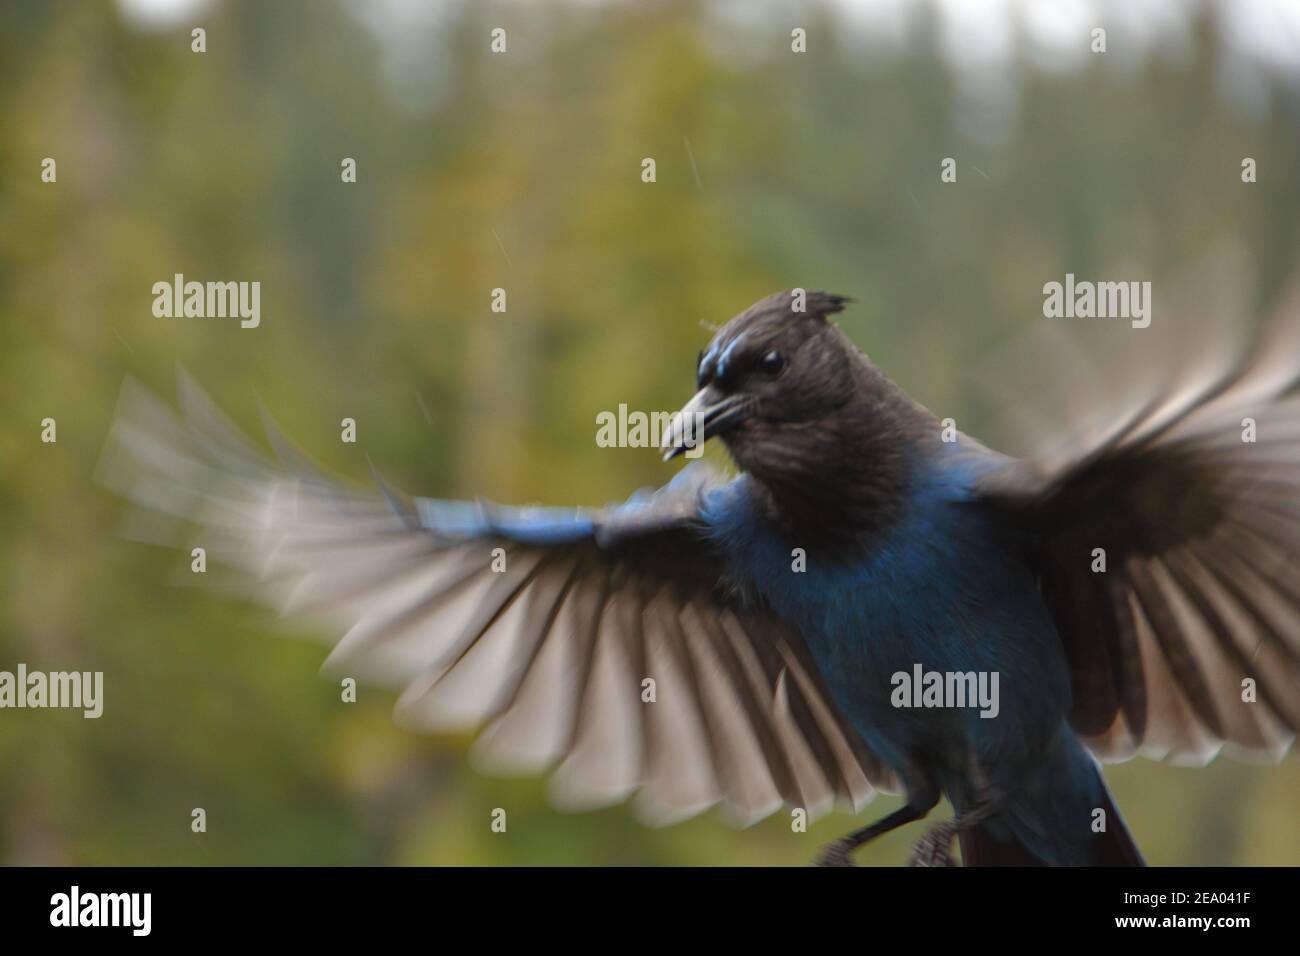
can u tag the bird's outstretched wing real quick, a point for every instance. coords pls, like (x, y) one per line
(540, 625)
(1189, 640)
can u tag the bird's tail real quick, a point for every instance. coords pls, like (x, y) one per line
(1114, 846)
(1066, 817)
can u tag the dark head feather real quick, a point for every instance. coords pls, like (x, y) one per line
(829, 437)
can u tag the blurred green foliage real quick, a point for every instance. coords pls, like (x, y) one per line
(520, 171)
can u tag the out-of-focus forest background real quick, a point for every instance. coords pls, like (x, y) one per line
(523, 171)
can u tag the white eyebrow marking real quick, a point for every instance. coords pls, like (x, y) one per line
(726, 353)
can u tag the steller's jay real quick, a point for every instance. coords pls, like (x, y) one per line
(875, 601)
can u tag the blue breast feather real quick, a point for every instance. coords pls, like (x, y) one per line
(939, 589)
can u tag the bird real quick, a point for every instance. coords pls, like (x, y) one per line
(745, 638)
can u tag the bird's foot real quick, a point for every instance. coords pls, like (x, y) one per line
(836, 854)
(935, 848)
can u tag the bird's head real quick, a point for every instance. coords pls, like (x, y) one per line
(769, 376)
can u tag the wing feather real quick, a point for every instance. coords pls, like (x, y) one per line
(1198, 517)
(536, 625)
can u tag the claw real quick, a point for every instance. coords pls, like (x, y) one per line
(935, 848)
(835, 854)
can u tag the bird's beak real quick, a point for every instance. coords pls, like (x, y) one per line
(705, 415)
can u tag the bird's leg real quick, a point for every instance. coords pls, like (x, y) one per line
(935, 848)
(917, 806)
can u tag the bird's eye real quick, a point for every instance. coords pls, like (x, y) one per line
(771, 363)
